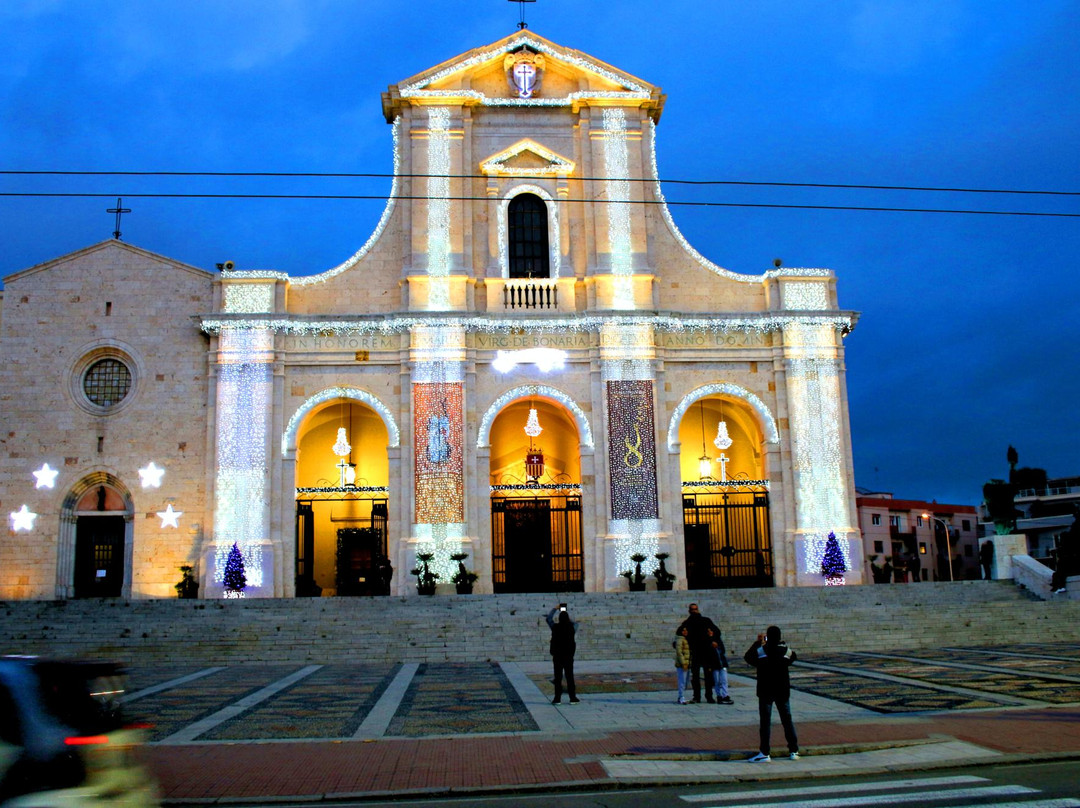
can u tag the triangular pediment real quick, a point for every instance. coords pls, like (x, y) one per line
(121, 248)
(527, 158)
(558, 76)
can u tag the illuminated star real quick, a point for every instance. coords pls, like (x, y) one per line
(22, 519)
(151, 476)
(169, 517)
(46, 477)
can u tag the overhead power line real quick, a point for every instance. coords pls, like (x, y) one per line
(877, 208)
(668, 181)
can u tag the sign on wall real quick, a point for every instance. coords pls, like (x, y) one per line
(632, 450)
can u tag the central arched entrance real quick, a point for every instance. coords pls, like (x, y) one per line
(342, 501)
(536, 499)
(725, 495)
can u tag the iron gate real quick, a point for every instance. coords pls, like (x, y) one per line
(728, 541)
(536, 544)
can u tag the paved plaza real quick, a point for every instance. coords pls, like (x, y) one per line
(317, 731)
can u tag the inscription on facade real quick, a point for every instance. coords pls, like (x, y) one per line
(715, 339)
(510, 341)
(357, 343)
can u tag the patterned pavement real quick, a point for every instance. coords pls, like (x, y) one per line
(251, 702)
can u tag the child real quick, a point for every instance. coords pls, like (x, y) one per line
(682, 660)
(720, 677)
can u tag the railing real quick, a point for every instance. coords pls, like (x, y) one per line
(527, 295)
(1048, 492)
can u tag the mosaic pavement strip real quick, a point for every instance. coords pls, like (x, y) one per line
(172, 710)
(331, 703)
(879, 695)
(1020, 664)
(638, 682)
(459, 698)
(140, 678)
(1069, 650)
(1022, 685)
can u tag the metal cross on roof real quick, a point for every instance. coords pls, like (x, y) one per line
(119, 210)
(521, 6)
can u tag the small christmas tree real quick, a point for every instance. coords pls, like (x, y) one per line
(234, 578)
(832, 561)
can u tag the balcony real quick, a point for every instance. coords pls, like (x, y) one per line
(526, 294)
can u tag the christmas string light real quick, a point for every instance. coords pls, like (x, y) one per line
(514, 43)
(768, 423)
(553, 223)
(438, 209)
(534, 391)
(805, 295)
(245, 378)
(497, 163)
(617, 187)
(288, 438)
(632, 537)
(247, 298)
(515, 101)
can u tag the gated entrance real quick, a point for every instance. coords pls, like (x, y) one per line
(99, 556)
(361, 563)
(728, 542)
(536, 544)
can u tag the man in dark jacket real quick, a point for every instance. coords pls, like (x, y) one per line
(563, 645)
(701, 651)
(772, 658)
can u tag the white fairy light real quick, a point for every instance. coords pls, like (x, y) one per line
(245, 379)
(805, 295)
(288, 438)
(247, 298)
(557, 164)
(438, 209)
(535, 391)
(169, 517)
(515, 43)
(553, 222)
(768, 423)
(151, 475)
(341, 446)
(616, 169)
(532, 425)
(45, 477)
(22, 519)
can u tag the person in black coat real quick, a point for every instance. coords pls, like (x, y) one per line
(771, 657)
(563, 646)
(702, 652)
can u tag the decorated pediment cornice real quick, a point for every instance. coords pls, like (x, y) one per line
(527, 158)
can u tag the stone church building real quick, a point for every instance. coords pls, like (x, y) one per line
(525, 362)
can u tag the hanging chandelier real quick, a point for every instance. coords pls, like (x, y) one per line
(723, 440)
(704, 462)
(341, 447)
(534, 455)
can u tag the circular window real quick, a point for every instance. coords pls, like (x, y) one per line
(107, 382)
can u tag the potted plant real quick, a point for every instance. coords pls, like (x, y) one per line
(635, 578)
(463, 579)
(664, 579)
(188, 588)
(426, 580)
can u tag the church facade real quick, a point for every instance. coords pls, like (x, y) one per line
(525, 363)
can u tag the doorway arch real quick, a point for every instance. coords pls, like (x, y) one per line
(95, 539)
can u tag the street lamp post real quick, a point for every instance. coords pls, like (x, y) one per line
(948, 540)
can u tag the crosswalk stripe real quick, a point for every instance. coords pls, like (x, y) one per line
(896, 799)
(884, 785)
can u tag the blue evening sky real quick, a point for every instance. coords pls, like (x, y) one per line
(969, 325)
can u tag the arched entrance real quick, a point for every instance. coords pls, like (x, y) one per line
(342, 498)
(536, 499)
(725, 494)
(100, 511)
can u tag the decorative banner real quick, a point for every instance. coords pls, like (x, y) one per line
(438, 438)
(632, 450)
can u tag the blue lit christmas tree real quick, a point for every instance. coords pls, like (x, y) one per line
(832, 561)
(234, 578)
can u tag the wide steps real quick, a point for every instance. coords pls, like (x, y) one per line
(512, 627)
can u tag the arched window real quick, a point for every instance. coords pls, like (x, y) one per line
(528, 226)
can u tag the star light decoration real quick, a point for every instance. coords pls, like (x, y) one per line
(169, 517)
(45, 476)
(151, 475)
(22, 519)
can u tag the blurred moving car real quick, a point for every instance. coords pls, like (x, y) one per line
(63, 743)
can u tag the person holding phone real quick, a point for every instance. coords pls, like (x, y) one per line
(563, 645)
(771, 657)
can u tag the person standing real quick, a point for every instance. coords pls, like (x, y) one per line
(682, 662)
(563, 645)
(720, 664)
(986, 558)
(701, 651)
(771, 657)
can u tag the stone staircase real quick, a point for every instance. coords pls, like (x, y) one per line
(511, 627)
